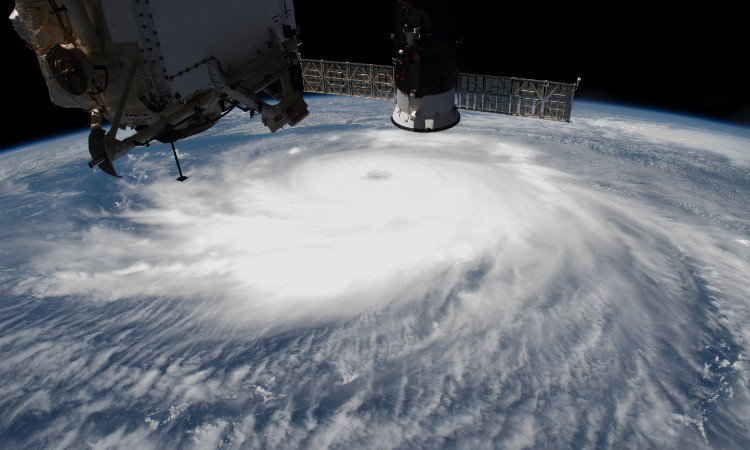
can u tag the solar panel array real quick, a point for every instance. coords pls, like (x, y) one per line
(503, 95)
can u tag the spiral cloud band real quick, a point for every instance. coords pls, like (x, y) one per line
(506, 283)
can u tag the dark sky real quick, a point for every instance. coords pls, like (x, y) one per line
(684, 59)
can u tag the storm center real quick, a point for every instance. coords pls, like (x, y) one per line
(378, 175)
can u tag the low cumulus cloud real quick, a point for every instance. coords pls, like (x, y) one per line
(509, 283)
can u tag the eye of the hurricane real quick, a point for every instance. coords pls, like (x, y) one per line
(378, 175)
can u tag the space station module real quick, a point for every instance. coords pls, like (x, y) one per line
(166, 68)
(425, 37)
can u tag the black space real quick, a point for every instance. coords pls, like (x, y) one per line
(687, 60)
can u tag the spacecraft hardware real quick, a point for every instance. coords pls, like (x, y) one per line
(425, 36)
(166, 68)
(169, 69)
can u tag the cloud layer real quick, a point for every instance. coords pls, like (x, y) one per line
(508, 283)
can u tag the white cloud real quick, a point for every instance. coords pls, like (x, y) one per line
(508, 283)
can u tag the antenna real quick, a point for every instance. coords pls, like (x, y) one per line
(179, 169)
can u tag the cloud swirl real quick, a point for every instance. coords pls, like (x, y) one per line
(508, 283)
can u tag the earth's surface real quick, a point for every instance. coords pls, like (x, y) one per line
(507, 283)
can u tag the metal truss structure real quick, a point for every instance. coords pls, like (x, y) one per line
(344, 78)
(503, 95)
(516, 96)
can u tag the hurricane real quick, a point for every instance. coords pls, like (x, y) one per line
(508, 283)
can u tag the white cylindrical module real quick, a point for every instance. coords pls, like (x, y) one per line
(429, 113)
(424, 34)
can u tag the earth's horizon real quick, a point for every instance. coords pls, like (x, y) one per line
(507, 283)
